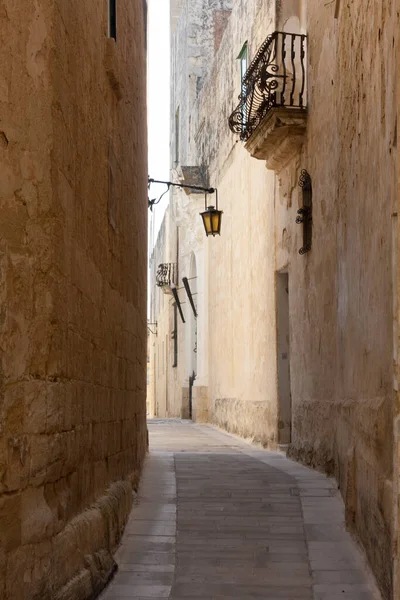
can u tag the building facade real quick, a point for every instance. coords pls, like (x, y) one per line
(73, 290)
(299, 317)
(179, 386)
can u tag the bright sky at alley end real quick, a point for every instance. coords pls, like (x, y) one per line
(158, 105)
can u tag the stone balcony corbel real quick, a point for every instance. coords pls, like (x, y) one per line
(279, 137)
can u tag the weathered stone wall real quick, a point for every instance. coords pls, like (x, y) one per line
(200, 28)
(168, 393)
(193, 334)
(73, 291)
(341, 303)
(396, 344)
(175, 10)
(197, 27)
(197, 34)
(342, 293)
(240, 272)
(163, 403)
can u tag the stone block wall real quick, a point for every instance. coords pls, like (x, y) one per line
(240, 270)
(72, 291)
(195, 39)
(343, 294)
(343, 300)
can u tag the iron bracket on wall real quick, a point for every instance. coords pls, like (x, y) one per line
(305, 212)
(149, 325)
(178, 302)
(196, 188)
(185, 282)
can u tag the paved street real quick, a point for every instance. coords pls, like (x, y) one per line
(219, 518)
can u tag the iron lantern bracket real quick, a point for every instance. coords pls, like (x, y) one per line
(197, 188)
(189, 295)
(177, 302)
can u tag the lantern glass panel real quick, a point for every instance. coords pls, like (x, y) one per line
(216, 222)
(207, 222)
(212, 220)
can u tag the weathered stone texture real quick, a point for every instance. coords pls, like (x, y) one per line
(240, 270)
(200, 25)
(197, 27)
(342, 291)
(73, 291)
(342, 306)
(220, 22)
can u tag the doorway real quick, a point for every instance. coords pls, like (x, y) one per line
(283, 359)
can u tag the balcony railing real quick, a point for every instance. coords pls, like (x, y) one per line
(166, 274)
(275, 78)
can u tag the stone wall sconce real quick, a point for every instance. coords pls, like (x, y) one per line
(211, 216)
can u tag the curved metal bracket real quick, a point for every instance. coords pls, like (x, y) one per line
(149, 325)
(305, 212)
(197, 188)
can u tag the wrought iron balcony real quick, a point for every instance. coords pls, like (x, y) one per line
(275, 78)
(166, 274)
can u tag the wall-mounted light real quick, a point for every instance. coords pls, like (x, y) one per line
(211, 216)
(305, 212)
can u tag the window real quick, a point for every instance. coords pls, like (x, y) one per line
(243, 58)
(177, 135)
(175, 336)
(112, 19)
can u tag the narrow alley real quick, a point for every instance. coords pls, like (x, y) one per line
(200, 235)
(219, 518)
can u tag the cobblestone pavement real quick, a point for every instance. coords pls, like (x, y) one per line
(219, 518)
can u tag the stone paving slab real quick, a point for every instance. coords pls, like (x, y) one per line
(218, 518)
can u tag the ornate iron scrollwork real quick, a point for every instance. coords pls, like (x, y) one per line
(165, 274)
(305, 213)
(276, 77)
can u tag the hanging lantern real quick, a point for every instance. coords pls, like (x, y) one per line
(212, 218)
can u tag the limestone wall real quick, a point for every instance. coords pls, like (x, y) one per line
(161, 345)
(197, 35)
(342, 304)
(197, 28)
(73, 291)
(179, 241)
(193, 334)
(196, 40)
(343, 298)
(396, 449)
(241, 277)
